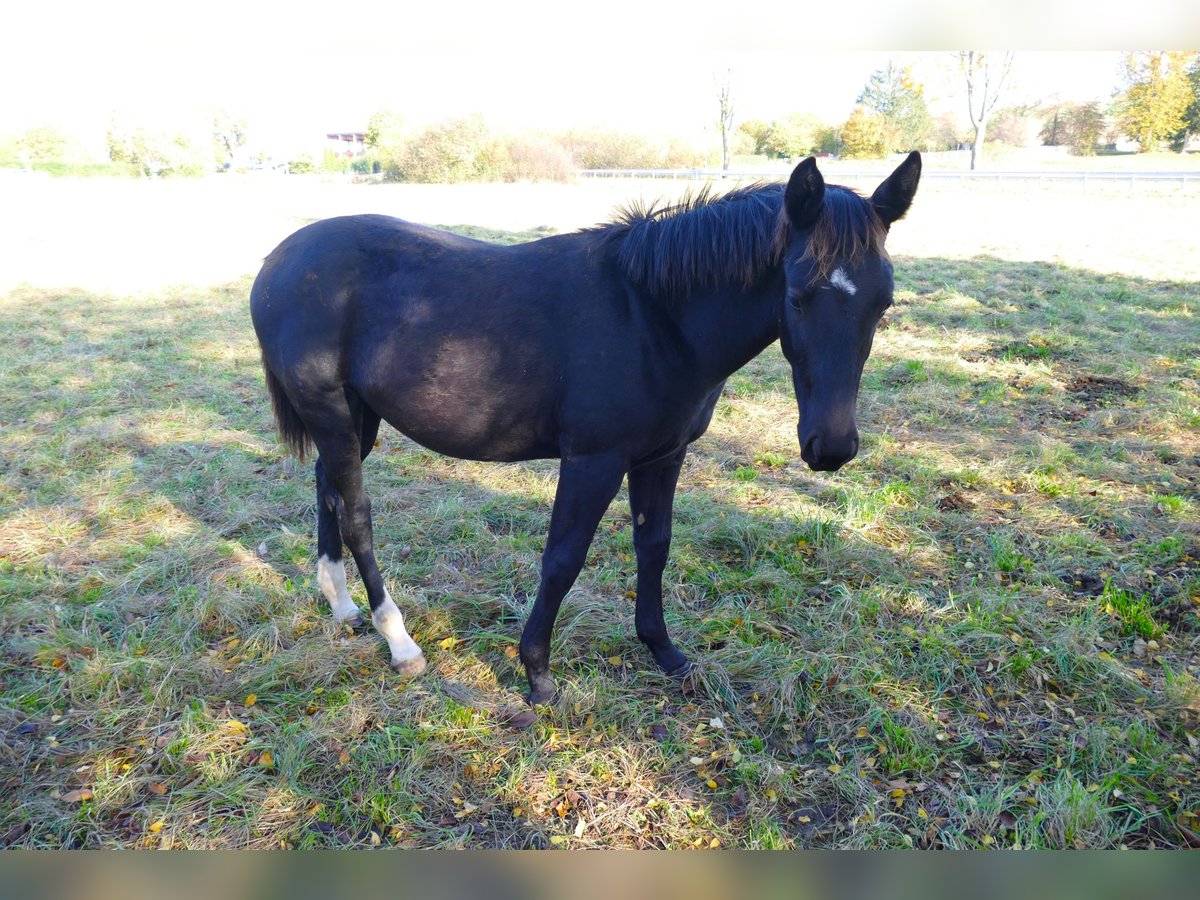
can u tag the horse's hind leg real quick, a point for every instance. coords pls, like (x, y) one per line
(339, 439)
(331, 571)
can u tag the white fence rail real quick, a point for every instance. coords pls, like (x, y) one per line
(1180, 179)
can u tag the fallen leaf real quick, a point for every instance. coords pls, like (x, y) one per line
(77, 796)
(250, 700)
(157, 826)
(660, 732)
(737, 802)
(157, 787)
(266, 759)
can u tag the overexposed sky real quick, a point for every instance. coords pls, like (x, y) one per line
(300, 68)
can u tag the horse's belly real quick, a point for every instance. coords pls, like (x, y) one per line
(482, 425)
(471, 395)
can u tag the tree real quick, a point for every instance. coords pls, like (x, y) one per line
(892, 93)
(758, 132)
(43, 144)
(1191, 115)
(1152, 108)
(155, 153)
(793, 136)
(946, 133)
(385, 131)
(1085, 124)
(985, 73)
(228, 133)
(865, 135)
(725, 119)
(1054, 127)
(1015, 126)
(829, 140)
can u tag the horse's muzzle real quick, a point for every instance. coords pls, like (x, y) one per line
(828, 454)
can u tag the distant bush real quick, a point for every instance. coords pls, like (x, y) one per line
(596, 148)
(451, 151)
(536, 159)
(302, 165)
(466, 149)
(458, 150)
(59, 168)
(366, 165)
(157, 153)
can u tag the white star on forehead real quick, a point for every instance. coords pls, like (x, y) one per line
(839, 279)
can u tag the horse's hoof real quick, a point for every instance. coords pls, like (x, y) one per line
(354, 622)
(682, 670)
(542, 692)
(409, 668)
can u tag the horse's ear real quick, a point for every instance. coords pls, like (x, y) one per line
(893, 198)
(804, 195)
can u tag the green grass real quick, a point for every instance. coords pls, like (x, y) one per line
(981, 633)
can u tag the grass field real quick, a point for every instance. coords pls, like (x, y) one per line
(981, 633)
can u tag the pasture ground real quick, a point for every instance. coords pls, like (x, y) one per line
(981, 633)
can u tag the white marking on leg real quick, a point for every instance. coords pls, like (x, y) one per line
(840, 279)
(390, 623)
(331, 579)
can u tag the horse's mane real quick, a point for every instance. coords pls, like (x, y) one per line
(734, 238)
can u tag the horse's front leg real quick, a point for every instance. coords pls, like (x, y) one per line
(651, 498)
(586, 485)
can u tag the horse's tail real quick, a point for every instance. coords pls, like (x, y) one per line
(287, 420)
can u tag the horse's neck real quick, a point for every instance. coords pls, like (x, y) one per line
(729, 327)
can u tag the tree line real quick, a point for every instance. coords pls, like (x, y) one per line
(1156, 105)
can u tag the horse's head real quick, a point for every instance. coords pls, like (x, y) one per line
(839, 282)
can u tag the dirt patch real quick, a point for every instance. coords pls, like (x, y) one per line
(1084, 584)
(954, 501)
(1099, 390)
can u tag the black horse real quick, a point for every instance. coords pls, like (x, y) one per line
(606, 348)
